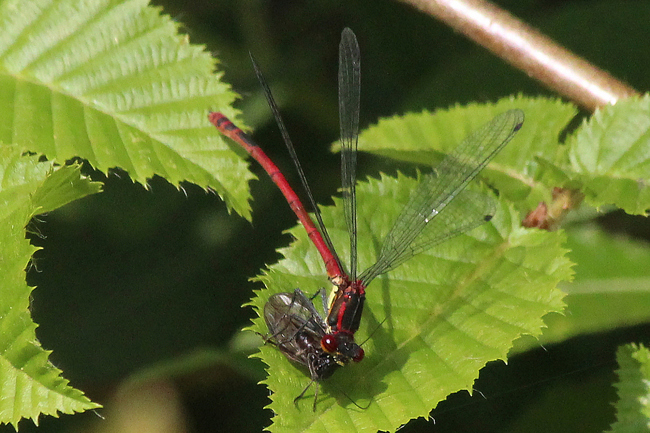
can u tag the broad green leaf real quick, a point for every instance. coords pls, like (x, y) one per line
(611, 287)
(431, 324)
(29, 384)
(610, 156)
(633, 406)
(112, 82)
(423, 138)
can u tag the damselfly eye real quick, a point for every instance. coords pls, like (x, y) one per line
(359, 356)
(329, 343)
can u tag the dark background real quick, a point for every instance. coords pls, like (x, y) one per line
(131, 278)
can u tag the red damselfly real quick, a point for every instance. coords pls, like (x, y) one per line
(439, 208)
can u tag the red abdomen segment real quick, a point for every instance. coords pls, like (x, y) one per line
(230, 130)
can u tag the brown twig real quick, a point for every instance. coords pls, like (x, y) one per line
(529, 50)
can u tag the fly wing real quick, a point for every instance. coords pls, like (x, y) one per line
(290, 315)
(439, 208)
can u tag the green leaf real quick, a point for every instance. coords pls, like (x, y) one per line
(610, 155)
(423, 138)
(611, 287)
(112, 82)
(29, 384)
(633, 407)
(431, 324)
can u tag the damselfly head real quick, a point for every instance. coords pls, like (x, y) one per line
(343, 345)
